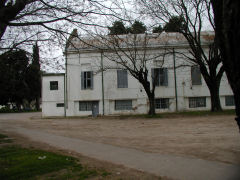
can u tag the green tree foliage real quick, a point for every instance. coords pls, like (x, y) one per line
(33, 77)
(137, 28)
(13, 68)
(158, 29)
(175, 24)
(117, 28)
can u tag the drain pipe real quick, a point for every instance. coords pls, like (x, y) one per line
(175, 79)
(65, 86)
(103, 103)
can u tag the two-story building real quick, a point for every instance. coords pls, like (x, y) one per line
(95, 83)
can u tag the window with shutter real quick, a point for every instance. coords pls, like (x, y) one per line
(160, 76)
(87, 80)
(122, 79)
(196, 75)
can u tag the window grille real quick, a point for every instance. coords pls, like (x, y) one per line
(85, 105)
(162, 103)
(195, 102)
(229, 101)
(123, 105)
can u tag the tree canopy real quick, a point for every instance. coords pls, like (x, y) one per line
(158, 29)
(118, 28)
(137, 28)
(20, 80)
(175, 24)
(13, 68)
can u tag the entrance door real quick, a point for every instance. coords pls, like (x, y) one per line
(95, 108)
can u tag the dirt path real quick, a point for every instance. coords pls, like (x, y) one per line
(212, 138)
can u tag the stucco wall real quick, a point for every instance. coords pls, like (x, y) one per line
(50, 98)
(80, 61)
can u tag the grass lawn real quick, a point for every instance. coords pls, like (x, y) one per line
(180, 114)
(21, 163)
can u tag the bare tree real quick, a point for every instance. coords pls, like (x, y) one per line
(49, 22)
(25, 21)
(131, 52)
(192, 15)
(227, 22)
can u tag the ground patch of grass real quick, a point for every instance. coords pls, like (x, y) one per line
(178, 114)
(8, 110)
(21, 163)
(4, 139)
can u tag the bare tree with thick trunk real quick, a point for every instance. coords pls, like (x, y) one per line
(191, 16)
(227, 23)
(133, 53)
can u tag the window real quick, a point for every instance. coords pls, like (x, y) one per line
(195, 102)
(123, 105)
(85, 105)
(229, 101)
(53, 85)
(60, 104)
(122, 79)
(160, 76)
(162, 103)
(87, 80)
(196, 75)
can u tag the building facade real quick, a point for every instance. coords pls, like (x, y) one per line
(95, 83)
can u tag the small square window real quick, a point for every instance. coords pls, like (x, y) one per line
(60, 104)
(53, 85)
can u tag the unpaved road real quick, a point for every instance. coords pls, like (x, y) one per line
(211, 137)
(214, 138)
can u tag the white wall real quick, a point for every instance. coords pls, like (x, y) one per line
(91, 61)
(50, 98)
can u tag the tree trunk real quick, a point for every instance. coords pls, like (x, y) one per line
(227, 23)
(151, 99)
(2, 29)
(215, 100)
(37, 104)
(213, 82)
(237, 105)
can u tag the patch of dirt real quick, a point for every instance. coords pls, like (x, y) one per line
(117, 172)
(214, 137)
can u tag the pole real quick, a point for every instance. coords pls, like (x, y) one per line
(175, 79)
(103, 103)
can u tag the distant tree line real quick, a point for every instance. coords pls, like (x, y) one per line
(20, 80)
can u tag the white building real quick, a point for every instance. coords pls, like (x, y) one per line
(93, 84)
